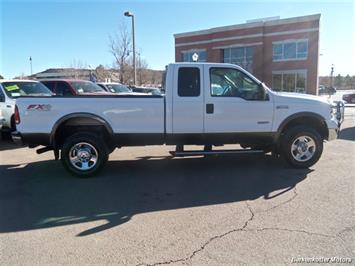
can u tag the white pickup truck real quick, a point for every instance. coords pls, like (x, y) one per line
(206, 104)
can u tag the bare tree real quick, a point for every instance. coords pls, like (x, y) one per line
(120, 46)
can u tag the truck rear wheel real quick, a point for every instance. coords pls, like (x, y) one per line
(301, 146)
(84, 154)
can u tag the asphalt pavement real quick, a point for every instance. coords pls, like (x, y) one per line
(147, 208)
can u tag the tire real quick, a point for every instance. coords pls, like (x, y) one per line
(84, 154)
(301, 146)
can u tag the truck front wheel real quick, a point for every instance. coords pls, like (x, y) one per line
(84, 154)
(301, 146)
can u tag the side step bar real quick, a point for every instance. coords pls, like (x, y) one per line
(215, 152)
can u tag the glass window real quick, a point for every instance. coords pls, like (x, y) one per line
(16, 89)
(302, 49)
(63, 89)
(277, 82)
(301, 83)
(242, 56)
(291, 82)
(229, 82)
(187, 56)
(49, 85)
(86, 87)
(289, 50)
(189, 82)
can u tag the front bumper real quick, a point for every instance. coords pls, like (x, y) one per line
(17, 138)
(335, 123)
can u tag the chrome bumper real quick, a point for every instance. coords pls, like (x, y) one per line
(335, 124)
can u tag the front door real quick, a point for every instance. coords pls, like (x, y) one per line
(235, 102)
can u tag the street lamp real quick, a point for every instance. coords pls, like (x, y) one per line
(129, 14)
(31, 64)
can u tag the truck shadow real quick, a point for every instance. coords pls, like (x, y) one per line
(347, 133)
(42, 195)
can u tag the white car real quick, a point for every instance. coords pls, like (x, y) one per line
(206, 104)
(10, 90)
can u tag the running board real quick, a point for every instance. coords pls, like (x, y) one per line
(215, 152)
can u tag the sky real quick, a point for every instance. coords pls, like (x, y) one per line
(63, 33)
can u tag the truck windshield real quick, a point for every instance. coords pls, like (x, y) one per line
(17, 89)
(118, 88)
(86, 87)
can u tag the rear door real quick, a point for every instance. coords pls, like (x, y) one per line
(188, 99)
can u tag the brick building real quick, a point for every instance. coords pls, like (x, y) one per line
(281, 52)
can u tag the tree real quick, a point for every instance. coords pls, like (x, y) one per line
(1, 77)
(120, 48)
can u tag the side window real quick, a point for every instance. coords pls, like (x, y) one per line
(189, 82)
(49, 85)
(63, 89)
(229, 82)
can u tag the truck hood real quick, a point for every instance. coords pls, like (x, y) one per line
(294, 97)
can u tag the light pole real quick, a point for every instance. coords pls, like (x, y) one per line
(31, 64)
(129, 14)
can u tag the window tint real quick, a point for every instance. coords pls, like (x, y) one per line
(189, 82)
(49, 85)
(229, 82)
(63, 89)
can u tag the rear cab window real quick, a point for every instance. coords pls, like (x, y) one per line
(189, 82)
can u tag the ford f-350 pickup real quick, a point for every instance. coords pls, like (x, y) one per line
(204, 104)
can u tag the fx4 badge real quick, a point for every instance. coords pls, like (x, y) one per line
(39, 107)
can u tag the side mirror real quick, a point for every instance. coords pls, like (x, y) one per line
(2, 97)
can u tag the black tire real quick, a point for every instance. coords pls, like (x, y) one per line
(91, 146)
(307, 155)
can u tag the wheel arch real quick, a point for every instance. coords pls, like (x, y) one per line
(80, 119)
(311, 119)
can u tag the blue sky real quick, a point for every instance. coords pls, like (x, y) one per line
(57, 33)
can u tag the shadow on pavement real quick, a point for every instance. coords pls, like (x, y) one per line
(43, 195)
(347, 133)
(8, 145)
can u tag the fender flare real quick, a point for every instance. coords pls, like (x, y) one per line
(293, 117)
(65, 118)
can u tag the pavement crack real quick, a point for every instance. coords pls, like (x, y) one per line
(209, 241)
(291, 231)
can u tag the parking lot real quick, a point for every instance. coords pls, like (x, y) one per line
(147, 208)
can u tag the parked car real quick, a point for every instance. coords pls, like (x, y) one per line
(73, 87)
(326, 90)
(244, 112)
(349, 97)
(114, 87)
(152, 91)
(10, 90)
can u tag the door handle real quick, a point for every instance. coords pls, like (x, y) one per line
(209, 108)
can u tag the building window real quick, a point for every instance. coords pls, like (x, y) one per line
(242, 56)
(189, 82)
(289, 81)
(290, 50)
(187, 56)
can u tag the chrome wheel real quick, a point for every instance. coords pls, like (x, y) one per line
(303, 148)
(83, 156)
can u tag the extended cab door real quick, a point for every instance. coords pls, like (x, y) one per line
(235, 102)
(188, 101)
